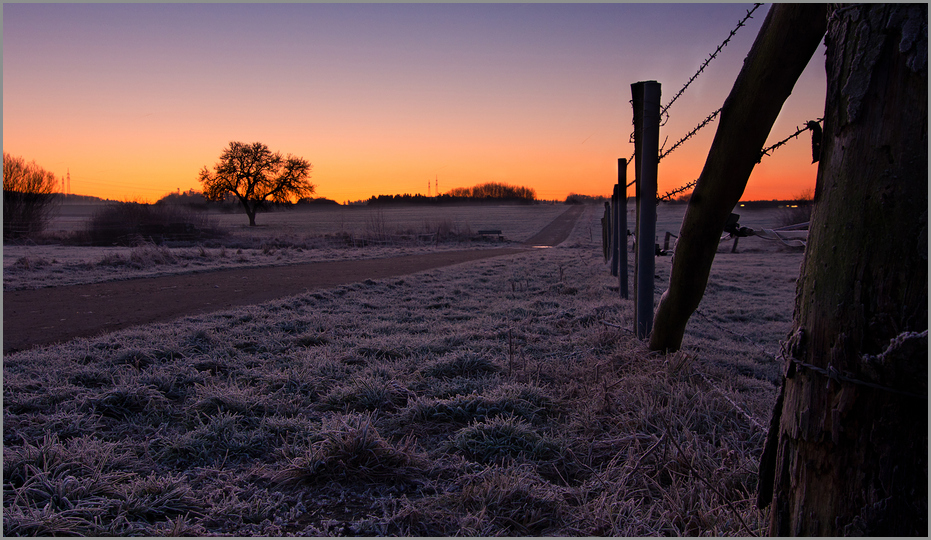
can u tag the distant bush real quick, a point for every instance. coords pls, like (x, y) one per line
(132, 223)
(191, 198)
(317, 201)
(29, 192)
(575, 198)
(495, 190)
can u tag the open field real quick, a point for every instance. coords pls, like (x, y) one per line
(504, 396)
(286, 237)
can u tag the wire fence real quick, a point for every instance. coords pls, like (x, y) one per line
(664, 111)
(812, 125)
(712, 56)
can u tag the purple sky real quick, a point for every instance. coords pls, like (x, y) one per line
(134, 99)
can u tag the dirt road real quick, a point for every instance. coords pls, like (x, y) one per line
(55, 314)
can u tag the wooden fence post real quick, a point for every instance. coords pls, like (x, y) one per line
(646, 235)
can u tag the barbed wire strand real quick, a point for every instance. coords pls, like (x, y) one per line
(690, 134)
(799, 131)
(670, 194)
(765, 152)
(829, 372)
(701, 68)
(704, 64)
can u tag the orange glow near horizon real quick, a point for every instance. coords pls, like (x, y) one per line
(381, 99)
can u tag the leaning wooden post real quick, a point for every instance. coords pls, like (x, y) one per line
(621, 229)
(615, 241)
(788, 38)
(646, 246)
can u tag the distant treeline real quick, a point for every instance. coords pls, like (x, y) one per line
(195, 199)
(482, 193)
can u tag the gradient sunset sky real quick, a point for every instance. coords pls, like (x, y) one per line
(134, 99)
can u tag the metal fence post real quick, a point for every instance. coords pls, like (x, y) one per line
(646, 234)
(621, 229)
(615, 241)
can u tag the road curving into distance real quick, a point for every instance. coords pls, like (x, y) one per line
(33, 318)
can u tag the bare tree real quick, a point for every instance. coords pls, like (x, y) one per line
(255, 176)
(28, 196)
(848, 443)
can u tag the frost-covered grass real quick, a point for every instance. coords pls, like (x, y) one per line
(285, 237)
(490, 398)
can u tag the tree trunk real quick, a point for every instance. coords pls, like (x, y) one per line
(250, 211)
(788, 38)
(848, 443)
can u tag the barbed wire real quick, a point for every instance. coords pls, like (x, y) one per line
(830, 372)
(689, 135)
(808, 125)
(701, 69)
(670, 194)
(704, 64)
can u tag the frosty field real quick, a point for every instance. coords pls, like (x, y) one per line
(284, 237)
(501, 397)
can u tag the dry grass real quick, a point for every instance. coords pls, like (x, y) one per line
(493, 398)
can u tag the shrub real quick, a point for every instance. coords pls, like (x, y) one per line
(575, 198)
(128, 224)
(798, 210)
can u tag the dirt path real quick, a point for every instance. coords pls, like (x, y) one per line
(44, 316)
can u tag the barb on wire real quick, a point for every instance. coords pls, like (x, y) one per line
(670, 194)
(710, 58)
(811, 125)
(689, 135)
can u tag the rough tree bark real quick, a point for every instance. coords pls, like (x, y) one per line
(843, 456)
(788, 38)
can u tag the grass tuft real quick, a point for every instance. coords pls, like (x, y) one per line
(465, 364)
(352, 450)
(501, 439)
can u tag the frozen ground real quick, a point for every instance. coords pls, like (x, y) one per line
(501, 397)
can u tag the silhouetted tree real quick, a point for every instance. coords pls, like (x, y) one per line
(255, 175)
(28, 194)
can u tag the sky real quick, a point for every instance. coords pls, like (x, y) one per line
(133, 100)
